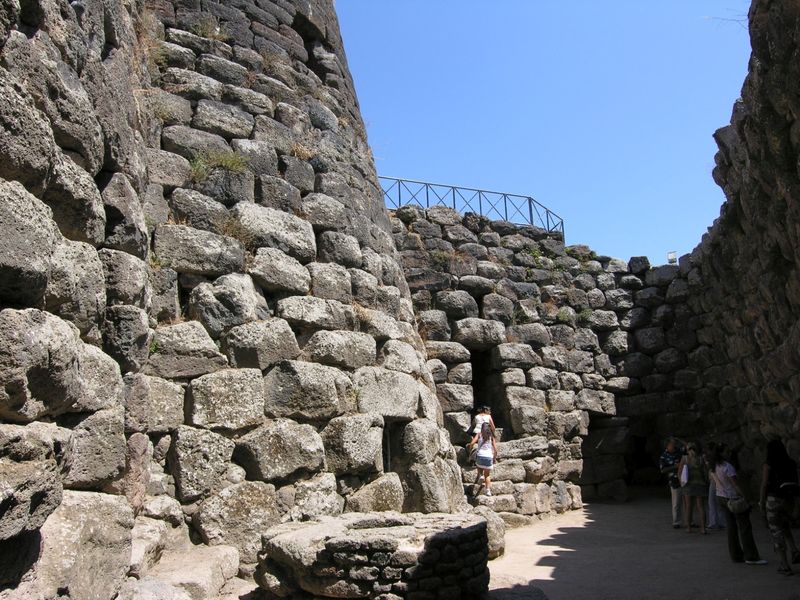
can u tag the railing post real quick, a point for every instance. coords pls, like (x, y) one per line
(480, 202)
(505, 206)
(530, 211)
(454, 197)
(427, 198)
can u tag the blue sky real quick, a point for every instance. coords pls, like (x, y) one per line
(601, 110)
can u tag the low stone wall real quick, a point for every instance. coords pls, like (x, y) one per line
(377, 555)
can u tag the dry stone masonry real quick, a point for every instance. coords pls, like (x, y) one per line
(225, 369)
(205, 328)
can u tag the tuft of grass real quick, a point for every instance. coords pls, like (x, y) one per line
(583, 316)
(440, 259)
(155, 263)
(234, 229)
(153, 346)
(203, 164)
(148, 48)
(208, 27)
(301, 151)
(564, 316)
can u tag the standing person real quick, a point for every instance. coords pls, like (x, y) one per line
(695, 490)
(715, 517)
(741, 545)
(484, 416)
(778, 488)
(668, 464)
(486, 456)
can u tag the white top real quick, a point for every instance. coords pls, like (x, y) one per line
(485, 448)
(722, 476)
(479, 421)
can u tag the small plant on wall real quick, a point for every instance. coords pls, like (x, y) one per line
(440, 259)
(203, 164)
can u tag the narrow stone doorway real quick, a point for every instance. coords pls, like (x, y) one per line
(485, 388)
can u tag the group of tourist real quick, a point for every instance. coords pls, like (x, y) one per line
(700, 478)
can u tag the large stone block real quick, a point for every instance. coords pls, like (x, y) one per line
(125, 226)
(448, 352)
(189, 250)
(260, 344)
(529, 420)
(434, 487)
(39, 365)
(228, 399)
(308, 312)
(513, 356)
(420, 441)
(102, 382)
(528, 447)
(97, 449)
(276, 229)
(457, 305)
(28, 158)
(198, 459)
(237, 516)
(126, 278)
(383, 494)
(391, 394)
(353, 443)
(127, 336)
(400, 356)
(183, 351)
(29, 479)
(76, 288)
(306, 391)
(533, 334)
(30, 238)
(279, 449)
(222, 119)
(347, 349)
(89, 533)
(147, 544)
(231, 300)
(316, 497)
(276, 271)
(596, 401)
(479, 334)
(331, 281)
(454, 397)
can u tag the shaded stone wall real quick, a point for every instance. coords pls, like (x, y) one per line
(745, 297)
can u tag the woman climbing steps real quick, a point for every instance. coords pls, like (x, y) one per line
(485, 458)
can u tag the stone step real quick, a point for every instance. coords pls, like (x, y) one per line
(200, 571)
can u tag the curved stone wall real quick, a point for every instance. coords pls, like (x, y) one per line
(205, 330)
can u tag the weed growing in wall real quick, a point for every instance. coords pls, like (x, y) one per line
(564, 316)
(233, 228)
(208, 27)
(440, 259)
(203, 164)
(301, 151)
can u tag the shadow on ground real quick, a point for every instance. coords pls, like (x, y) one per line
(630, 551)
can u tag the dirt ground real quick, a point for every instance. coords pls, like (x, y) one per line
(630, 551)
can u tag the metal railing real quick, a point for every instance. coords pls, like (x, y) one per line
(492, 205)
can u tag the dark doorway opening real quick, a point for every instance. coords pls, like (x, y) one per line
(485, 387)
(393, 445)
